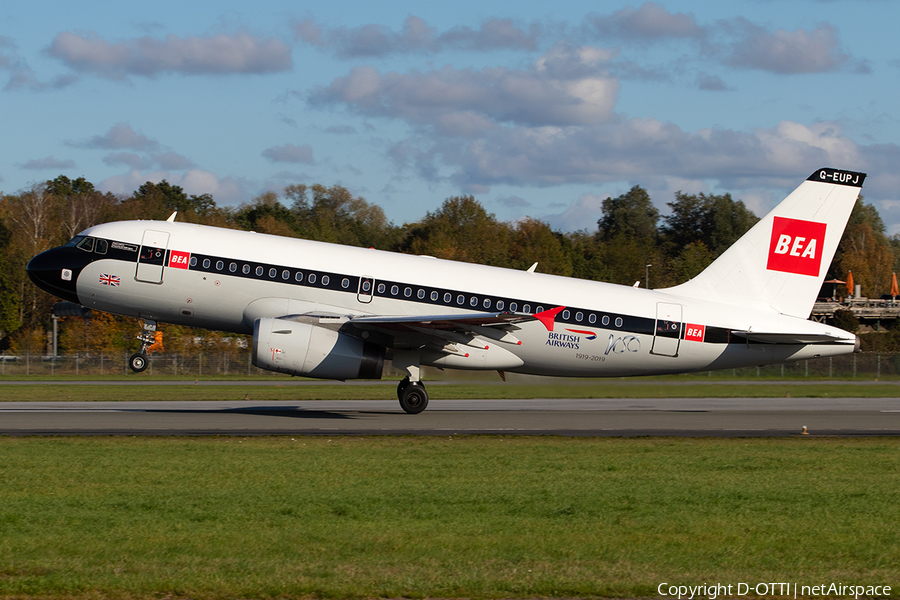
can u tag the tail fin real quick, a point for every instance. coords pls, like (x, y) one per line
(781, 262)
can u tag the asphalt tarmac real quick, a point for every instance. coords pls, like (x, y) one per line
(675, 417)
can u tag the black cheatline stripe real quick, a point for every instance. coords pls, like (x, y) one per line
(339, 282)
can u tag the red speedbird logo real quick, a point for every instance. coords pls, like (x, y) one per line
(796, 246)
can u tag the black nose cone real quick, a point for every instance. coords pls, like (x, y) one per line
(56, 271)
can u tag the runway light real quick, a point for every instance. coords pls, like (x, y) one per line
(804, 432)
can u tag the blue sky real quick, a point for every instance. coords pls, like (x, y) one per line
(536, 109)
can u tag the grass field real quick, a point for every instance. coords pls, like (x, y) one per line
(387, 391)
(490, 517)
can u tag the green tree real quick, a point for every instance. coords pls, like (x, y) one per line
(333, 214)
(716, 221)
(461, 229)
(631, 215)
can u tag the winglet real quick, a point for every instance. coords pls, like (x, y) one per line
(547, 317)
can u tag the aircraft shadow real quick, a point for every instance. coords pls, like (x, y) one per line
(262, 411)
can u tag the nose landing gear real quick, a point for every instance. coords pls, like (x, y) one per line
(151, 341)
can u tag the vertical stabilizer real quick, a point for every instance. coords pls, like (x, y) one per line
(781, 262)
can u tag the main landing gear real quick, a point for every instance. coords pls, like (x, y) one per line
(412, 395)
(151, 341)
(411, 392)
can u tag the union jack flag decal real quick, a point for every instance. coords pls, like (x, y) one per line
(107, 279)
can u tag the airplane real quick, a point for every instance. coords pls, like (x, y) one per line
(337, 312)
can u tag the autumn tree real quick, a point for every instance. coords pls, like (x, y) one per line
(866, 251)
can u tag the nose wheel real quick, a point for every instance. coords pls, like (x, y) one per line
(151, 341)
(413, 396)
(137, 362)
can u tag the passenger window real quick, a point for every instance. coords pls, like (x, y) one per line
(460, 299)
(311, 278)
(618, 321)
(299, 276)
(381, 288)
(259, 271)
(434, 296)
(101, 246)
(220, 265)
(325, 279)
(513, 306)
(605, 320)
(193, 261)
(206, 263)
(579, 317)
(592, 319)
(245, 269)
(500, 304)
(285, 274)
(394, 290)
(407, 292)
(87, 244)
(473, 301)
(565, 315)
(526, 308)
(232, 267)
(273, 272)
(345, 283)
(487, 303)
(448, 297)
(420, 294)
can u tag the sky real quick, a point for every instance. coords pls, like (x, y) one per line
(536, 109)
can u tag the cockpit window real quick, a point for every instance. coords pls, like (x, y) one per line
(74, 241)
(101, 246)
(87, 244)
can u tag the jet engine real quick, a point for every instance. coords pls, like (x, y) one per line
(304, 349)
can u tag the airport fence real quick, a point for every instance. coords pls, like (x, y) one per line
(237, 364)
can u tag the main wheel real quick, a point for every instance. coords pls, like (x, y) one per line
(138, 362)
(402, 386)
(414, 398)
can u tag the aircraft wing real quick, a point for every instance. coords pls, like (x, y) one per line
(791, 338)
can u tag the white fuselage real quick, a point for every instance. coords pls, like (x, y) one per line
(603, 330)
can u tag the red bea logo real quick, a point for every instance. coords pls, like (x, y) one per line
(179, 259)
(694, 333)
(796, 246)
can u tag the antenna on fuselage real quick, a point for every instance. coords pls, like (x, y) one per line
(532, 268)
(171, 218)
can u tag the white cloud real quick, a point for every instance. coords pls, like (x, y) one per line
(567, 85)
(190, 55)
(649, 21)
(787, 52)
(290, 153)
(416, 36)
(119, 137)
(46, 164)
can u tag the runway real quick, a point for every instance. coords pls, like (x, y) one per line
(676, 417)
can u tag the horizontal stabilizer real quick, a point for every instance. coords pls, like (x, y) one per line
(793, 338)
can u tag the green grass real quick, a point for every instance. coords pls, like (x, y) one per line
(440, 517)
(591, 389)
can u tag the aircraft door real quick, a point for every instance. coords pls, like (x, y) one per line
(667, 334)
(366, 289)
(153, 256)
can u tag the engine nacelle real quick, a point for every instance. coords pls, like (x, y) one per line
(303, 349)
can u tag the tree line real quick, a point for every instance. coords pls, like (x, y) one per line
(630, 235)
